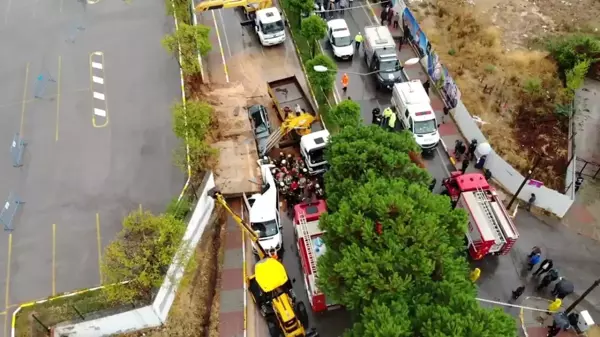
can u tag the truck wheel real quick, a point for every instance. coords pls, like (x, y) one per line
(274, 330)
(300, 310)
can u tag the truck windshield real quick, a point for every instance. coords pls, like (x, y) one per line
(272, 27)
(265, 229)
(317, 156)
(424, 127)
(389, 66)
(342, 41)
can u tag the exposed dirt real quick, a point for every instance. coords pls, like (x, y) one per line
(495, 79)
(195, 311)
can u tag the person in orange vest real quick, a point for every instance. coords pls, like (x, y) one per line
(345, 80)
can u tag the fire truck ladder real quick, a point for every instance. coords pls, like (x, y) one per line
(309, 246)
(482, 198)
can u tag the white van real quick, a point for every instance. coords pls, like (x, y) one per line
(269, 26)
(264, 213)
(340, 39)
(413, 108)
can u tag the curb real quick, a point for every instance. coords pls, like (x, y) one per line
(195, 22)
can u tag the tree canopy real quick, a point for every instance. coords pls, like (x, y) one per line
(322, 82)
(395, 251)
(192, 39)
(346, 113)
(313, 29)
(141, 254)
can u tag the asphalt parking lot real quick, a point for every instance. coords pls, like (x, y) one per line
(88, 89)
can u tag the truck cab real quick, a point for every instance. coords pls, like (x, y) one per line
(269, 26)
(381, 58)
(413, 108)
(264, 214)
(312, 149)
(340, 39)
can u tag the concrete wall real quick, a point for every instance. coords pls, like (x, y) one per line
(506, 175)
(156, 314)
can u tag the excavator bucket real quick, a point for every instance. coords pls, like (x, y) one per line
(213, 192)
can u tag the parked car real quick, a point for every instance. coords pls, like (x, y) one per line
(340, 39)
(260, 124)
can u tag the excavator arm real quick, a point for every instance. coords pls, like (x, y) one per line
(248, 5)
(218, 197)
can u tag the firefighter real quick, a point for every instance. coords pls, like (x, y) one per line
(475, 274)
(376, 116)
(549, 278)
(546, 265)
(319, 192)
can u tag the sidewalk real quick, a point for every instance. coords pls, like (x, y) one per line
(574, 255)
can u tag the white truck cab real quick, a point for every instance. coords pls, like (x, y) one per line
(264, 213)
(413, 108)
(269, 26)
(340, 39)
(380, 55)
(312, 149)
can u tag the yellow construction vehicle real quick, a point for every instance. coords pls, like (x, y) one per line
(249, 6)
(270, 287)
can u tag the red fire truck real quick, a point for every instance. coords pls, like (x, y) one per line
(491, 229)
(310, 248)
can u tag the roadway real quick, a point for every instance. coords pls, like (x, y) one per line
(89, 89)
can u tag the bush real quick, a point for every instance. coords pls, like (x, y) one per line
(141, 254)
(570, 50)
(192, 40)
(179, 208)
(322, 83)
(346, 113)
(314, 29)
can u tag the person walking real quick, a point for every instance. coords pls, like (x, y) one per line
(548, 278)
(390, 17)
(392, 120)
(465, 165)
(358, 39)
(396, 20)
(475, 274)
(534, 250)
(545, 266)
(530, 202)
(535, 259)
(345, 81)
(384, 15)
(518, 292)
(405, 33)
(426, 86)
(578, 182)
(376, 116)
(387, 116)
(343, 6)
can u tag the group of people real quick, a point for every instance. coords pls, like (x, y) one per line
(329, 8)
(294, 182)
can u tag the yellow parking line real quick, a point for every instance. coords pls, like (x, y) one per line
(8, 261)
(24, 101)
(58, 97)
(99, 238)
(53, 259)
(220, 47)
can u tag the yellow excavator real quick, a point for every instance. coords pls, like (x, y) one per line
(299, 122)
(249, 6)
(270, 287)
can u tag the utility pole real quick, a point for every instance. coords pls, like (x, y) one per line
(577, 301)
(537, 161)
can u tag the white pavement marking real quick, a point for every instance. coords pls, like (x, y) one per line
(97, 65)
(98, 80)
(99, 112)
(99, 96)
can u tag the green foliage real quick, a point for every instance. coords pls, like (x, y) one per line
(354, 152)
(194, 118)
(141, 254)
(181, 10)
(412, 278)
(297, 7)
(322, 82)
(569, 50)
(192, 40)
(346, 113)
(314, 29)
(576, 76)
(179, 208)
(532, 86)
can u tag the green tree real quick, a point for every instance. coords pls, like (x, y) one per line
(322, 82)
(297, 8)
(192, 40)
(380, 319)
(192, 120)
(354, 152)
(576, 76)
(314, 29)
(141, 254)
(346, 113)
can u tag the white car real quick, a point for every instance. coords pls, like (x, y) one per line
(340, 39)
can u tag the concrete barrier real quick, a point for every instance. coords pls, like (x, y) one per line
(156, 314)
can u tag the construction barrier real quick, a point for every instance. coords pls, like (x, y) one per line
(17, 148)
(10, 208)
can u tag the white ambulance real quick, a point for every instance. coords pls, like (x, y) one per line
(413, 108)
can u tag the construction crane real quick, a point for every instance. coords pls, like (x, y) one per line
(249, 6)
(270, 287)
(300, 123)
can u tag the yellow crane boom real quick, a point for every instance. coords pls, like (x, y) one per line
(248, 5)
